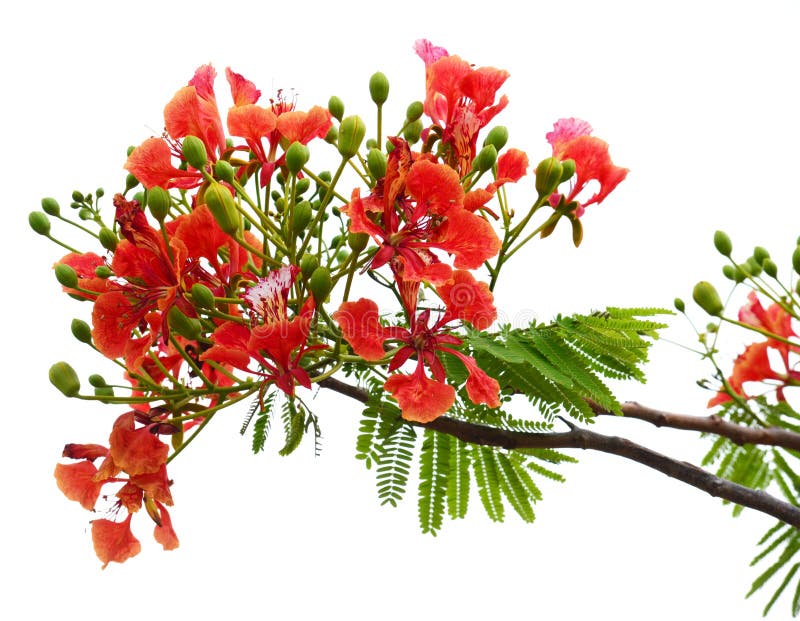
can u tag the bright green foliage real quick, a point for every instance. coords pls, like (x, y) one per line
(262, 425)
(434, 470)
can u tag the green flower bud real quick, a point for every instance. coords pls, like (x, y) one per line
(760, 254)
(100, 192)
(104, 391)
(376, 162)
(332, 137)
(485, 159)
(770, 268)
(707, 298)
(50, 206)
(302, 216)
(98, 381)
(194, 152)
(414, 111)
(108, 239)
(85, 213)
(336, 241)
(130, 182)
(222, 207)
(159, 202)
(78, 196)
(296, 157)
(351, 135)
(320, 285)
(66, 275)
(679, 305)
(302, 185)
(140, 197)
(370, 144)
(187, 327)
(549, 173)
(336, 107)
(497, 136)
(412, 132)
(63, 377)
(39, 222)
(81, 331)
(202, 296)
(103, 271)
(796, 259)
(357, 241)
(723, 243)
(567, 170)
(379, 88)
(730, 272)
(224, 171)
(342, 256)
(308, 264)
(752, 267)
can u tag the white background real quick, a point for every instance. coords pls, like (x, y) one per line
(698, 99)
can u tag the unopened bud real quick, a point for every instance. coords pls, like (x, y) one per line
(320, 284)
(752, 267)
(194, 152)
(103, 271)
(187, 327)
(39, 222)
(351, 135)
(760, 254)
(332, 137)
(679, 305)
(357, 241)
(302, 185)
(707, 298)
(770, 268)
(63, 377)
(376, 162)
(130, 182)
(66, 275)
(158, 201)
(379, 88)
(98, 381)
(308, 264)
(202, 296)
(222, 207)
(336, 107)
(485, 159)
(549, 173)
(497, 136)
(567, 170)
(796, 259)
(414, 111)
(412, 132)
(81, 331)
(723, 243)
(296, 157)
(302, 216)
(50, 206)
(224, 171)
(108, 239)
(104, 391)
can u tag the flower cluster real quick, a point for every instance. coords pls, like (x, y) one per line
(227, 247)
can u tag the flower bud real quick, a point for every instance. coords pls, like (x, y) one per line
(760, 254)
(567, 170)
(730, 272)
(414, 111)
(81, 331)
(412, 132)
(752, 267)
(103, 271)
(108, 239)
(308, 264)
(66, 275)
(187, 327)
(357, 241)
(376, 162)
(98, 381)
(63, 377)
(336, 107)
(39, 222)
(320, 285)
(194, 152)
(85, 213)
(224, 171)
(332, 137)
(104, 391)
(202, 296)
(78, 196)
(796, 259)
(485, 159)
(302, 216)
(296, 157)
(351, 134)
(50, 206)
(679, 305)
(549, 173)
(302, 185)
(342, 256)
(770, 268)
(707, 298)
(222, 207)
(158, 201)
(723, 243)
(130, 182)
(497, 136)
(379, 88)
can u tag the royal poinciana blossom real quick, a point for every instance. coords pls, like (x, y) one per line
(227, 267)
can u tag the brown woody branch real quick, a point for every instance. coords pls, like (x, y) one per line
(585, 439)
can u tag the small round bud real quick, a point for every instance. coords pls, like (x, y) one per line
(723, 243)
(567, 170)
(63, 377)
(85, 213)
(770, 268)
(159, 202)
(222, 207)
(549, 173)
(412, 132)
(332, 137)
(351, 135)
(414, 111)
(302, 216)
(224, 171)
(796, 259)
(308, 264)
(100, 192)
(679, 305)
(50, 206)
(376, 163)
(752, 267)
(130, 182)
(379, 88)
(108, 239)
(302, 185)
(485, 159)
(760, 254)
(296, 157)
(707, 298)
(730, 272)
(103, 271)
(104, 391)
(357, 241)
(320, 285)
(81, 331)
(336, 107)
(202, 296)
(194, 152)
(342, 256)
(77, 196)
(39, 222)
(98, 381)
(66, 275)
(497, 136)
(187, 327)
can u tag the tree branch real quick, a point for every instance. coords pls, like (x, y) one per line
(589, 440)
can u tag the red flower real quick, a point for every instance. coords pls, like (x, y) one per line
(460, 99)
(570, 139)
(774, 319)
